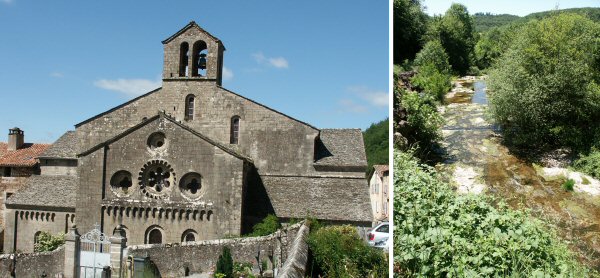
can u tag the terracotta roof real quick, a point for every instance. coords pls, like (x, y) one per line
(26, 156)
(381, 169)
(325, 198)
(46, 191)
(64, 147)
(341, 147)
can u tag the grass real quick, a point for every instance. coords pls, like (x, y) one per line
(568, 185)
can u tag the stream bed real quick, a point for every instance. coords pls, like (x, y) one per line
(476, 162)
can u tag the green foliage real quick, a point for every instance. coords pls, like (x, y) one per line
(568, 185)
(545, 87)
(487, 21)
(440, 234)
(423, 122)
(267, 226)
(340, 252)
(433, 53)
(376, 139)
(409, 28)
(48, 242)
(434, 83)
(589, 164)
(455, 32)
(242, 269)
(225, 263)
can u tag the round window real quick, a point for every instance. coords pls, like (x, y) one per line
(156, 178)
(120, 183)
(156, 140)
(190, 185)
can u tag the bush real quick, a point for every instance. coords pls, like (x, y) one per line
(568, 185)
(589, 164)
(267, 226)
(225, 264)
(48, 242)
(340, 252)
(440, 234)
(545, 86)
(423, 122)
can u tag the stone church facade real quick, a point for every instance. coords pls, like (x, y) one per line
(190, 161)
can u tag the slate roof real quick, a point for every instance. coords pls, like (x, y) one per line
(341, 147)
(325, 198)
(64, 147)
(46, 191)
(381, 169)
(26, 156)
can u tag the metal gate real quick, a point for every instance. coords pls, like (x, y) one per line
(94, 253)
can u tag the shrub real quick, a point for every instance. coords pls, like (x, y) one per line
(423, 122)
(440, 234)
(48, 242)
(267, 226)
(545, 86)
(589, 164)
(225, 263)
(433, 71)
(340, 252)
(568, 185)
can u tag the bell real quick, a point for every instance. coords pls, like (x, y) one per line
(202, 61)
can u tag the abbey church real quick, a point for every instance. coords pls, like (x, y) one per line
(190, 161)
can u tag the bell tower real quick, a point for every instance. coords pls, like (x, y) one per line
(193, 54)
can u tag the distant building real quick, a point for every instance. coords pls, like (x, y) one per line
(18, 161)
(380, 197)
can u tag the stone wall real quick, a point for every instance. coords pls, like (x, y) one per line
(50, 264)
(58, 167)
(172, 260)
(295, 265)
(28, 222)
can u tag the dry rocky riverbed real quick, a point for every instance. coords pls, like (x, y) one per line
(477, 163)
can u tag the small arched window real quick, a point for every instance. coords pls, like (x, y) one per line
(189, 107)
(200, 55)
(188, 235)
(183, 59)
(235, 130)
(154, 235)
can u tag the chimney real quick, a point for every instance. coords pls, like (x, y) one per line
(16, 139)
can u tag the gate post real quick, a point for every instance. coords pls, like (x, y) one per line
(71, 268)
(118, 241)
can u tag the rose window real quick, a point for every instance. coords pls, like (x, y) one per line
(156, 178)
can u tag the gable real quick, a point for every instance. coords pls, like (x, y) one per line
(192, 25)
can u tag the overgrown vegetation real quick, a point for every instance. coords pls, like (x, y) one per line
(547, 87)
(338, 251)
(409, 28)
(267, 226)
(589, 164)
(225, 264)
(568, 185)
(376, 139)
(48, 242)
(441, 234)
(423, 122)
(433, 76)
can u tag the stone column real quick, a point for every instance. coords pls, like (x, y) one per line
(71, 268)
(118, 241)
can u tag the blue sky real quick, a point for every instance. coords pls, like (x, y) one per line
(514, 7)
(323, 62)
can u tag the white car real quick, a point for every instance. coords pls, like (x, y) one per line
(379, 235)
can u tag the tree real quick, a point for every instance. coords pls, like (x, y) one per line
(546, 85)
(225, 263)
(376, 139)
(455, 31)
(409, 28)
(267, 226)
(433, 71)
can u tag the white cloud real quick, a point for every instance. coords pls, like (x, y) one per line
(349, 105)
(374, 97)
(227, 74)
(277, 62)
(130, 87)
(57, 74)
